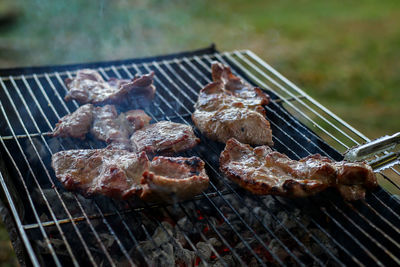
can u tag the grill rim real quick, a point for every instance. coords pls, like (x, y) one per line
(185, 58)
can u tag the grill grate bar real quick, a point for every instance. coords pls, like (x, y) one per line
(13, 208)
(302, 245)
(47, 146)
(85, 215)
(131, 235)
(49, 245)
(45, 142)
(79, 219)
(110, 229)
(387, 207)
(376, 229)
(75, 197)
(384, 249)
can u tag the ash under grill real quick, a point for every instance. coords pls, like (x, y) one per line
(225, 226)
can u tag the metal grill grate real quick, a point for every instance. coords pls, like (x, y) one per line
(59, 227)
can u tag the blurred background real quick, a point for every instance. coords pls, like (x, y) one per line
(346, 54)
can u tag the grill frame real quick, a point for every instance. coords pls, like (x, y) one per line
(291, 96)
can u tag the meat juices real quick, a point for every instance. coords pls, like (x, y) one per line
(264, 171)
(76, 124)
(228, 107)
(122, 174)
(164, 137)
(88, 86)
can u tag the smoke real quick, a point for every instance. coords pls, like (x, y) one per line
(59, 32)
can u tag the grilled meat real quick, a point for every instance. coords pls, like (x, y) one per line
(114, 173)
(138, 118)
(264, 171)
(76, 124)
(170, 178)
(110, 127)
(88, 86)
(104, 123)
(164, 136)
(228, 107)
(121, 174)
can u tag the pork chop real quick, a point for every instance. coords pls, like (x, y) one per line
(164, 137)
(122, 174)
(264, 171)
(76, 124)
(229, 107)
(88, 86)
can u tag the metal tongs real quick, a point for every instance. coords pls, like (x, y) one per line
(373, 148)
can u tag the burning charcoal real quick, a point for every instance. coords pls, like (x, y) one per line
(229, 261)
(316, 248)
(179, 236)
(162, 235)
(267, 220)
(214, 242)
(285, 220)
(269, 202)
(277, 249)
(183, 257)
(186, 225)
(204, 249)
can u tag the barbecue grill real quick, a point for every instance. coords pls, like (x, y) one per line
(225, 225)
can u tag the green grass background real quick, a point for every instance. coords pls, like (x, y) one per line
(346, 54)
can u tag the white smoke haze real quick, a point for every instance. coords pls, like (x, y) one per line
(61, 32)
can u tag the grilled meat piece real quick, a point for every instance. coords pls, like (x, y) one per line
(108, 126)
(88, 86)
(164, 136)
(170, 178)
(138, 118)
(76, 124)
(121, 174)
(229, 107)
(114, 173)
(264, 171)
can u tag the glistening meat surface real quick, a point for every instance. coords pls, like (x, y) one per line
(76, 124)
(264, 171)
(229, 107)
(88, 86)
(164, 137)
(122, 174)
